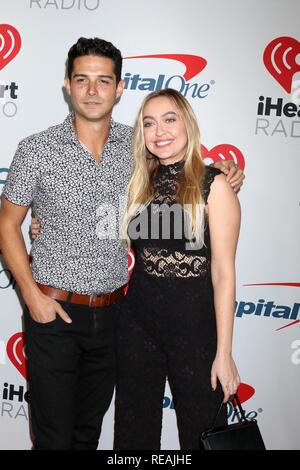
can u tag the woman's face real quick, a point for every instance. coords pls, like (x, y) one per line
(164, 130)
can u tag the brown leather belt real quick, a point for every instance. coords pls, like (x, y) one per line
(95, 301)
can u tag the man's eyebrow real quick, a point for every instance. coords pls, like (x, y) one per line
(87, 75)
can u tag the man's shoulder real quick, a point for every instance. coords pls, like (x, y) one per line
(123, 130)
(43, 137)
(124, 127)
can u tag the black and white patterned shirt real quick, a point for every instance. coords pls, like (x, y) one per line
(71, 195)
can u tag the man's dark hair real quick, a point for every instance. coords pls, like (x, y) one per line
(95, 46)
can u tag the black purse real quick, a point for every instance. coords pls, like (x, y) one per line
(244, 435)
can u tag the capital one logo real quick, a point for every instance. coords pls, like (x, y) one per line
(269, 309)
(193, 66)
(280, 59)
(10, 44)
(16, 354)
(245, 392)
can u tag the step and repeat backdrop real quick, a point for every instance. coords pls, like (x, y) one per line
(238, 63)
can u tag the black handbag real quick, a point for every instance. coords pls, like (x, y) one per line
(244, 435)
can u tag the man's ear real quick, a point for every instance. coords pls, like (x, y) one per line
(120, 89)
(68, 85)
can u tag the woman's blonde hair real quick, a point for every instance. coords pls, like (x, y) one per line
(141, 189)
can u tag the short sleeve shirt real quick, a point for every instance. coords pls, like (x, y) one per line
(79, 204)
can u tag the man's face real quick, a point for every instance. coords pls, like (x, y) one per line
(92, 88)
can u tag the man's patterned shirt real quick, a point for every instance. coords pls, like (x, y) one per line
(75, 199)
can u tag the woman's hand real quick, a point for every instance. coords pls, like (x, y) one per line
(225, 370)
(35, 228)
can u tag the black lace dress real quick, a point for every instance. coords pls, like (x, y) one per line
(166, 329)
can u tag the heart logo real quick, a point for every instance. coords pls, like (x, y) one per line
(15, 352)
(10, 44)
(131, 261)
(224, 152)
(280, 60)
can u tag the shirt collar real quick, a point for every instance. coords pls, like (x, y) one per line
(68, 130)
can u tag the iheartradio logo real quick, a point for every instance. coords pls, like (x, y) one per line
(10, 44)
(280, 59)
(16, 354)
(224, 152)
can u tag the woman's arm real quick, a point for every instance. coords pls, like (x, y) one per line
(224, 224)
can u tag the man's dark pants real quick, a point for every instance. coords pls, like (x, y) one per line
(72, 373)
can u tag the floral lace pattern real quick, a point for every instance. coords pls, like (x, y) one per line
(162, 263)
(170, 258)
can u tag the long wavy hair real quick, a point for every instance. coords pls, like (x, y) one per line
(141, 189)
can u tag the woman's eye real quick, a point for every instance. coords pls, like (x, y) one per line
(170, 120)
(147, 124)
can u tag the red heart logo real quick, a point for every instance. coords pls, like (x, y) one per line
(224, 152)
(10, 44)
(15, 352)
(131, 261)
(280, 60)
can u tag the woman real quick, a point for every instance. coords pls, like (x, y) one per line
(177, 319)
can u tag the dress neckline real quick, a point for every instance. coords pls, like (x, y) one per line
(171, 167)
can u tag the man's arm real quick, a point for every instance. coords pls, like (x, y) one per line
(42, 308)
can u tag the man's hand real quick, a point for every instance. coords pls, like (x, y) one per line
(43, 309)
(35, 228)
(234, 174)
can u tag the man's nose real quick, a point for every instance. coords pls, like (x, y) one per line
(92, 88)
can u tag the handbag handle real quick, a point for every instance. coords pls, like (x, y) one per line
(242, 413)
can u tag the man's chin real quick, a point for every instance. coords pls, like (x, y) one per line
(93, 117)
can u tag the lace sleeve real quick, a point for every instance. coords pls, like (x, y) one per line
(210, 173)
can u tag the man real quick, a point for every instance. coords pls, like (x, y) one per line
(75, 283)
